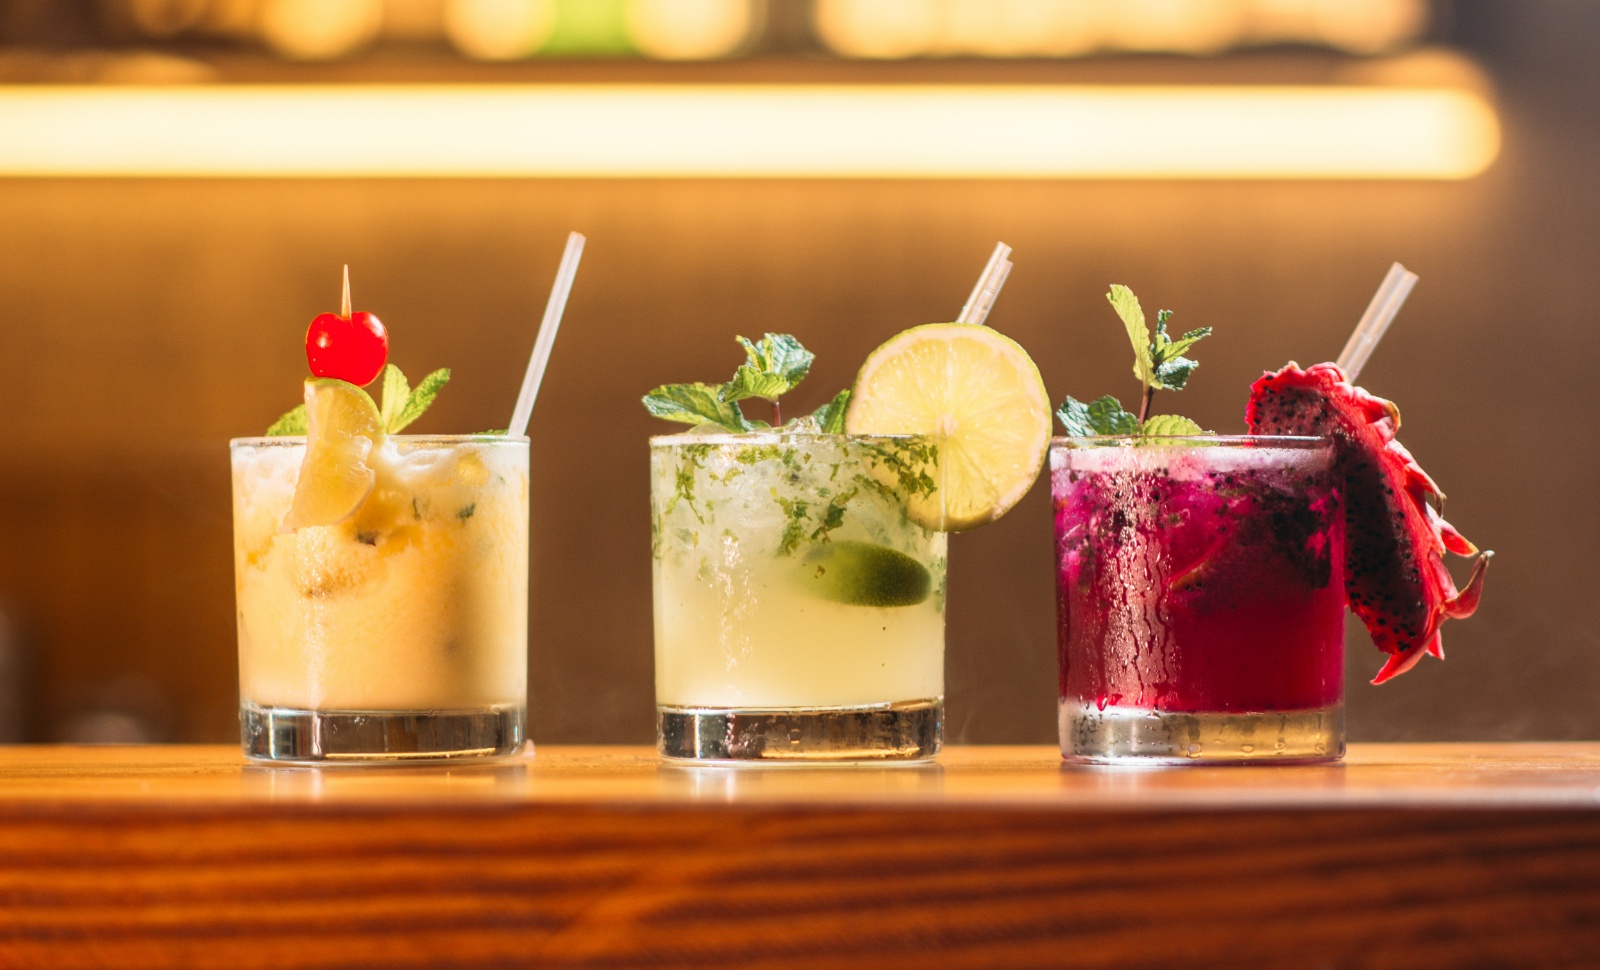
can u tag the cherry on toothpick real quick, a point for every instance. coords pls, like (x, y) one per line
(349, 346)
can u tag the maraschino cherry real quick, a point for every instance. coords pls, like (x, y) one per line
(349, 346)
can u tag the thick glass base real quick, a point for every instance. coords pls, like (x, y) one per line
(288, 736)
(1128, 735)
(906, 731)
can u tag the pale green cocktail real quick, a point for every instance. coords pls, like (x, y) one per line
(799, 610)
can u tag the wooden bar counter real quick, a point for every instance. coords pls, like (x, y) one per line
(1484, 855)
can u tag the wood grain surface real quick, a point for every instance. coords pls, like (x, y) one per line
(1405, 856)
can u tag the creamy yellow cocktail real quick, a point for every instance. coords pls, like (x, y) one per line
(417, 602)
(400, 632)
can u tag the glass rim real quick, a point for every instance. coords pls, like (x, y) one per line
(1306, 441)
(284, 440)
(770, 437)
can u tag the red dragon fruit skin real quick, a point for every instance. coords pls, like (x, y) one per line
(1395, 540)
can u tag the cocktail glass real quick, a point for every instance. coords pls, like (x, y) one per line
(799, 611)
(400, 633)
(1200, 599)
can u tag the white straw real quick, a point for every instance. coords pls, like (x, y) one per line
(1386, 303)
(547, 335)
(988, 289)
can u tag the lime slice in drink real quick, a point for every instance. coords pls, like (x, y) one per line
(336, 475)
(863, 574)
(976, 395)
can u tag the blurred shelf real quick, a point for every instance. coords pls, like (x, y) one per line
(1406, 855)
(128, 113)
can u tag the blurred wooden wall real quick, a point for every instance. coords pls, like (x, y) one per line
(143, 323)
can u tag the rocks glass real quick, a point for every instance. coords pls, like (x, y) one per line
(799, 611)
(399, 634)
(1200, 599)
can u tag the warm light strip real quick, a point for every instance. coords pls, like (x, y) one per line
(747, 131)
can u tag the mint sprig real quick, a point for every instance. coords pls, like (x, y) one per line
(402, 404)
(1172, 369)
(1158, 363)
(773, 367)
(396, 395)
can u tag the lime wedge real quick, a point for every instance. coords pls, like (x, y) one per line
(863, 574)
(978, 397)
(336, 475)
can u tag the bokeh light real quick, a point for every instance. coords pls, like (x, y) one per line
(879, 28)
(893, 29)
(1368, 26)
(688, 30)
(316, 30)
(1177, 26)
(499, 30)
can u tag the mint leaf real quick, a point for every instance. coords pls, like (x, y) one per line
(1104, 416)
(696, 404)
(775, 366)
(1172, 369)
(830, 417)
(748, 382)
(780, 354)
(291, 422)
(1165, 348)
(1172, 375)
(396, 394)
(1170, 424)
(1074, 417)
(794, 510)
(1127, 306)
(492, 432)
(419, 400)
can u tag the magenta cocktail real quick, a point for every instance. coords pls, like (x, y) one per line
(1200, 598)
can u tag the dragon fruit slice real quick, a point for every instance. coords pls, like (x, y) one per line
(1395, 576)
